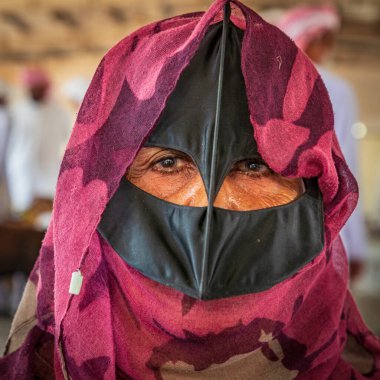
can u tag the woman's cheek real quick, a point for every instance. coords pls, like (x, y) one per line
(252, 193)
(175, 187)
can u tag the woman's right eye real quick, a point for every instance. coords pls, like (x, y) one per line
(172, 165)
(167, 162)
(166, 165)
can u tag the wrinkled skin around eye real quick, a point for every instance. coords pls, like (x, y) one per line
(174, 177)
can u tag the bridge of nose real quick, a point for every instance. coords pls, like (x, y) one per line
(194, 194)
(187, 122)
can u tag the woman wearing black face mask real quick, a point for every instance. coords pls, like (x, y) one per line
(181, 206)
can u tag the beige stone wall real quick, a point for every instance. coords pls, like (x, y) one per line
(370, 178)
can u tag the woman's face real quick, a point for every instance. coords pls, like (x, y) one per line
(173, 176)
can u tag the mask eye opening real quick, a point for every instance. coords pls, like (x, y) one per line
(185, 152)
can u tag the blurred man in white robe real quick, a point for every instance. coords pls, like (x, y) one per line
(74, 89)
(313, 29)
(39, 134)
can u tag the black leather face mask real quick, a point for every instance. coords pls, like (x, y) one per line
(208, 252)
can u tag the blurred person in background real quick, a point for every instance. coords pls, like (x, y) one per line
(39, 135)
(31, 160)
(313, 29)
(74, 90)
(4, 194)
(4, 138)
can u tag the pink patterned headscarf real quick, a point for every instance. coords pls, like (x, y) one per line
(123, 325)
(304, 24)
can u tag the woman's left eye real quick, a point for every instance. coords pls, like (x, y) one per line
(252, 167)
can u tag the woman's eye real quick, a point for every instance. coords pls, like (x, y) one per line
(255, 166)
(251, 167)
(167, 162)
(172, 165)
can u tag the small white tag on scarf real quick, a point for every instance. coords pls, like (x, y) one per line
(76, 282)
